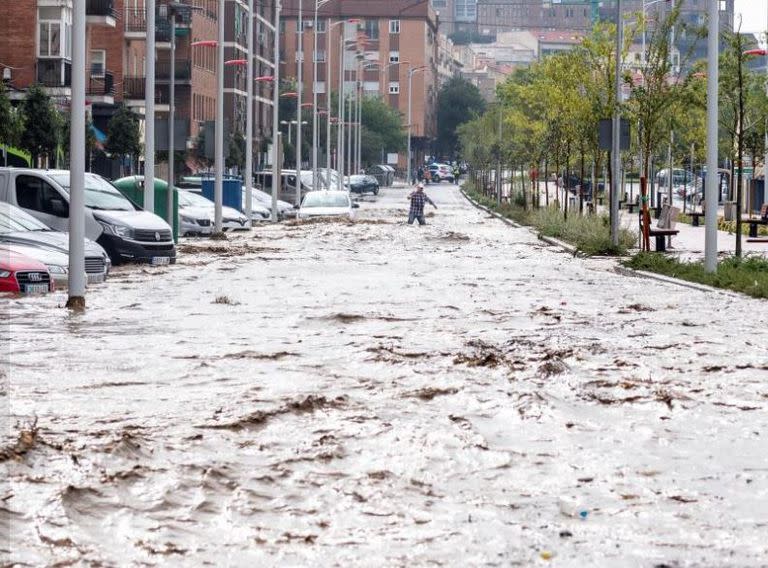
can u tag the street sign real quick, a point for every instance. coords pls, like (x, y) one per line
(605, 134)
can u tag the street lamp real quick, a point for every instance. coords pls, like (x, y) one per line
(710, 196)
(299, 90)
(315, 141)
(340, 119)
(149, 111)
(411, 72)
(276, 111)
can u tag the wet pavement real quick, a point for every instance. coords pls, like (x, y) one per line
(371, 394)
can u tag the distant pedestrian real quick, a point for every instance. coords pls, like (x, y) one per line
(420, 174)
(418, 200)
(456, 174)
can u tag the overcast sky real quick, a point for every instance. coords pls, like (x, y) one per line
(754, 14)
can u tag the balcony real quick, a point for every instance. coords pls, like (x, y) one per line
(136, 26)
(54, 73)
(134, 88)
(101, 12)
(182, 73)
(101, 88)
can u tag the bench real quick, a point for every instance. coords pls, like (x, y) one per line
(631, 206)
(753, 223)
(695, 216)
(665, 226)
(757, 240)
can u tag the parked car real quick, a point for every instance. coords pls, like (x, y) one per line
(363, 184)
(196, 215)
(20, 274)
(56, 262)
(19, 228)
(262, 201)
(287, 190)
(126, 232)
(327, 204)
(440, 172)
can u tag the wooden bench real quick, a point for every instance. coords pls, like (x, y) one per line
(695, 216)
(757, 240)
(631, 206)
(753, 223)
(665, 227)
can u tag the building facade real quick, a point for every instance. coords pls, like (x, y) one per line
(116, 62)
(382, 43)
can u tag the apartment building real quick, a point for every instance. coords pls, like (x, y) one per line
(36, 48)
(116, 61)
(385, 41)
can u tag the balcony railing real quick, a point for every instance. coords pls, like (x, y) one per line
(54, 73)
(136, 22)
(134, 88)
(101, 8)
(101, 86)
(183, 71)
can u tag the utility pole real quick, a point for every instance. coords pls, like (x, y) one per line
(328, 91)
(149, 111)
(340, 121)
(171, 119)
(315, 140)
(76, 285)
(276, 141)
(712, 189)
(358, 147)
(616, 151)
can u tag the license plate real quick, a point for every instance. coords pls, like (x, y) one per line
(95, 278)
(36, 288)
(160, 260)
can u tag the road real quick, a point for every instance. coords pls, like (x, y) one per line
(379, 394)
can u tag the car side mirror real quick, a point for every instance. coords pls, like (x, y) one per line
(355, 206)
(59, 208)
(296, 206)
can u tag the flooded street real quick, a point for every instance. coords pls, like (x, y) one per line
(377, 394)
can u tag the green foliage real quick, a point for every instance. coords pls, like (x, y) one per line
(590, 234)
(382, 130)
(123, 134)
(457, 102)
(90, 137)
(236, 157)
(748, 275)
(10, 120)
(42, 130)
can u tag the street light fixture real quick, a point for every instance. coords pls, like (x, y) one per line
(315, 141)
(411, 72)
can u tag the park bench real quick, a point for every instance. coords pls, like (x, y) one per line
(753, 223)
(665, 226)
(695, 216)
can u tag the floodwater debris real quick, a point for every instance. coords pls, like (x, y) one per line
(428, 393)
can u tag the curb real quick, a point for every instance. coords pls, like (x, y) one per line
(549, 240)
(624, 271)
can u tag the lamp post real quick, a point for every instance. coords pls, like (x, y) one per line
(299, 89)
(616, 148)
(149, 111)
(340, 118)
(711, 193)
(315, 141)
(410, 83)
(76, 284)
(276, 112)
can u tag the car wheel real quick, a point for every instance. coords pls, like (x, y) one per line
(376, 191)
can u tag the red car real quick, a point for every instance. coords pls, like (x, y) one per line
(23, 275)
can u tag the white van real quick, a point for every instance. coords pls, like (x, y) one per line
(125, 231)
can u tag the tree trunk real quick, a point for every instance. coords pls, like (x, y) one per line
(740, 155)
(567, 181)
(645, 239)
(546, 183)
(581, 189)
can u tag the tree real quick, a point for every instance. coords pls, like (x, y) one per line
(41, 133)
(236, 157)
(382, 130)
(9, 120)
(123, 135)
(457, 102)
(198, 151)
(90, 138)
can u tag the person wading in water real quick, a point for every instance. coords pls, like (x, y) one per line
(418, 200)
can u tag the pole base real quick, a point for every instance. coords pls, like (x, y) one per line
(76, 303)
(220, 236)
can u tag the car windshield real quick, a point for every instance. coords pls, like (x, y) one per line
(99, 193)
(13, 219)
(326, 199)
(191, 199)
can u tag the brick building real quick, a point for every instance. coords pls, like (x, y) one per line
(392, 37)
(116, 59)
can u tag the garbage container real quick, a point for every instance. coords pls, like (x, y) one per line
(729, 210)
(232, 192)
(133, 188)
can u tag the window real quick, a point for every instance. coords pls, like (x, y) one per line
(300, 56)
(371, 86)
(371, 29)
(394, 26)
(319, 56)
(98, 62)
(394, 88)
(320, 87)
(307, 24)
(394, 56)
(50, 39)
(35, 194)
(321, 26)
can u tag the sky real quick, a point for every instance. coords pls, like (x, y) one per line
(754, 15)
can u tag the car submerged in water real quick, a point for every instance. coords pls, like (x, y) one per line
(317, 204)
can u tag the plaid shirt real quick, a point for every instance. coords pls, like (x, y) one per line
(418, 200)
